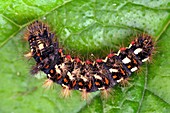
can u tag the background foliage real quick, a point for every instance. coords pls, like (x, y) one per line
(86, 26)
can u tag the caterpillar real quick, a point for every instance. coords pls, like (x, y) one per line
(87, 76)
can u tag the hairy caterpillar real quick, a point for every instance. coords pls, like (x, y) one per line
(87, 76)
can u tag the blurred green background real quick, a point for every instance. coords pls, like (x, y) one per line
(85, 27)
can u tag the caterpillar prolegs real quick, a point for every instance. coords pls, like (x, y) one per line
(87, 76)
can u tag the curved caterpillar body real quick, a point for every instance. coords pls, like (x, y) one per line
(89, 76)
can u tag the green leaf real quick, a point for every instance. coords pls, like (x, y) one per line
(85, 27)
